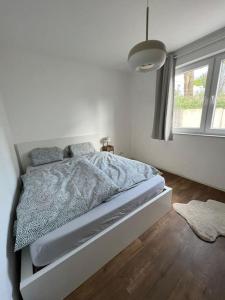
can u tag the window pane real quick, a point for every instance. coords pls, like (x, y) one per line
(189, 97)
(219, 110)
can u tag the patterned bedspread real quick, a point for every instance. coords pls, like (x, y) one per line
(56, 193)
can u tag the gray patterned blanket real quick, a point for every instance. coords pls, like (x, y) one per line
(57, 193)
(124, 172)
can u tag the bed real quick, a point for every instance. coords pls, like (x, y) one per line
(73, 234)
(63, 252)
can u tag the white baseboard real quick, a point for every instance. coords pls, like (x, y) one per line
(192, 179)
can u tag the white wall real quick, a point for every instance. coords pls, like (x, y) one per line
(196, 157)
(200, 158)
(8, 186)
(49, 97)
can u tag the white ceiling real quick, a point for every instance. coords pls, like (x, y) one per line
(103, 31)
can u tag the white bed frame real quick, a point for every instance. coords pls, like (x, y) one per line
(23, 149)
(60, 278)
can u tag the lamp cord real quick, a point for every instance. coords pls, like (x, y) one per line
(147, 15)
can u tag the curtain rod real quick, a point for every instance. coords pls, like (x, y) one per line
(196, 48)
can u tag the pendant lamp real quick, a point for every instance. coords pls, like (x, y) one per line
(148, 55)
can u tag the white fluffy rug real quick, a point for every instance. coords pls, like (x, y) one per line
(207, 219)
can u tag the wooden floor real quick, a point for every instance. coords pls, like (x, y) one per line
(167, 262)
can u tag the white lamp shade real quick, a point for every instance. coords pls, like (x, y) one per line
(108, 139)
(147, 56)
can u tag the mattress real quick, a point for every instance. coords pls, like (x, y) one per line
(55, 244)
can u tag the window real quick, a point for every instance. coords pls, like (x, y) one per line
(199, 101)
(219, 109)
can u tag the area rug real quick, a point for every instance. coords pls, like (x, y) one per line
(207, 219)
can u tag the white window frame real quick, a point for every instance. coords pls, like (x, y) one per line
(213, 95)
(214, 64)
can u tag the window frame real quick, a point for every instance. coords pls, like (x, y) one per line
(214, 63)
(213, 94)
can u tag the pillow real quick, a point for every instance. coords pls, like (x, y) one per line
(41, 156)
(82, 149)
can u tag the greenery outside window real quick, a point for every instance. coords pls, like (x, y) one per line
(199, 102)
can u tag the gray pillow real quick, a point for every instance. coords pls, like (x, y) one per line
(40, 156)
(82, 149)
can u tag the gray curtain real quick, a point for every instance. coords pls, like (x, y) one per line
(163, 118)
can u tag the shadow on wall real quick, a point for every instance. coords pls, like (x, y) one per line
(12, 257)
(113, 121)
(9, 190)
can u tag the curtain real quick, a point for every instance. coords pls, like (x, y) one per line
(164, 99)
